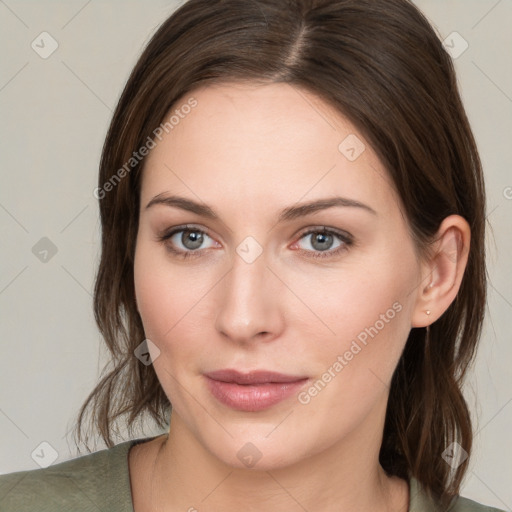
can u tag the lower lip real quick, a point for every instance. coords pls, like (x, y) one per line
(253, 397)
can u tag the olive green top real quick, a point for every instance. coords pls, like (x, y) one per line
(100, 481)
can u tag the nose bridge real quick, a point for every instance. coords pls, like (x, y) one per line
(248, 305)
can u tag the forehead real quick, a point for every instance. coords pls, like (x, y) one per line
(259, 119)
(264, 142)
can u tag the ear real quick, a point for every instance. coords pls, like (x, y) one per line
(443, 271)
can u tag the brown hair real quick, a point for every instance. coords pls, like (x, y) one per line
(380, 64)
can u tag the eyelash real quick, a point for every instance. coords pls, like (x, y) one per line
(344, 237)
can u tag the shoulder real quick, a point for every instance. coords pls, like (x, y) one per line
(97, 481)
(420, 501)
(461, 504)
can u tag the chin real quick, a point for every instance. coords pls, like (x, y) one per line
(256, 452)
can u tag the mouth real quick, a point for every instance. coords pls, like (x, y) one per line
(253, 391)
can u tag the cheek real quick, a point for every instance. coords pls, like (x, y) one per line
(370, 317)
(350, 300)
(166, 306)
(157, 294)
(171, 303)
(366, 315)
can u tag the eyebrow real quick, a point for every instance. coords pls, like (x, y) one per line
(287, 214)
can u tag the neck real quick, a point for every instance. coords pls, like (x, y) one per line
(346, 476)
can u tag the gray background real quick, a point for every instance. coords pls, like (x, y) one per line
(55, 113)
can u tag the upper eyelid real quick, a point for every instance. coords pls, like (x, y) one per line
(320, 228)
(185, 227)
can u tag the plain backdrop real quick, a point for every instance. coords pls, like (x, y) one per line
(54, 116)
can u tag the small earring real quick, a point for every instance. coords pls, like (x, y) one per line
(427, 311)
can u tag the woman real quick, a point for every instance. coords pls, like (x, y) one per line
(292, 209)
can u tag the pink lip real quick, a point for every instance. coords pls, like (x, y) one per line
(253, 391)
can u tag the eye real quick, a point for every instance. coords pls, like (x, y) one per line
(321, 242)
(186, 241)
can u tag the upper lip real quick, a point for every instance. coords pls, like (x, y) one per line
(252, 377)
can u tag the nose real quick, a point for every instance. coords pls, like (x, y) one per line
(250, 306)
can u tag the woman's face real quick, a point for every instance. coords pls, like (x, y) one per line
(257, 280)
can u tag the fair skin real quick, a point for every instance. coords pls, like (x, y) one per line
(249, 152)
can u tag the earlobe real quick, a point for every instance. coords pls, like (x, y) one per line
(444, 271)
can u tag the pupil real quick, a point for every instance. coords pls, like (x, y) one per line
(324, 240)
(191, 239)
